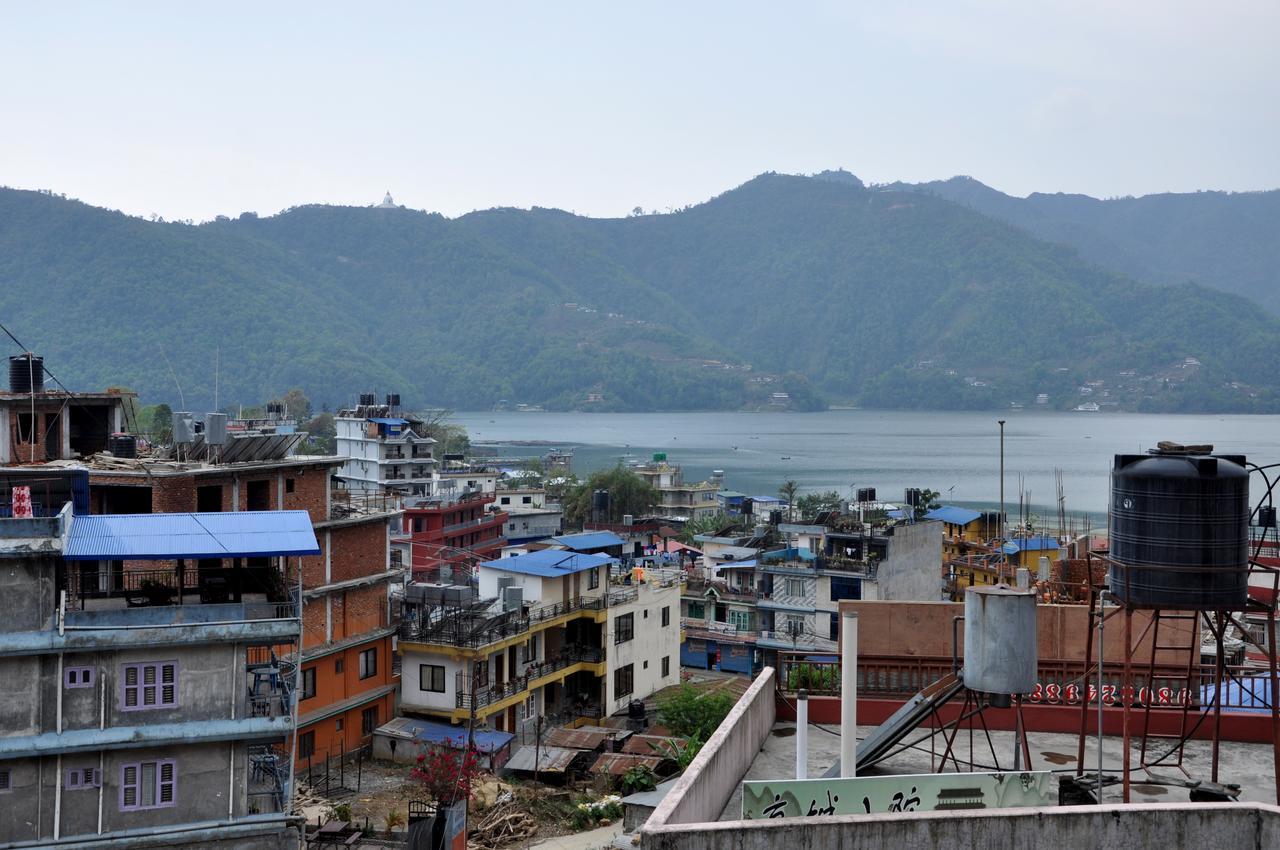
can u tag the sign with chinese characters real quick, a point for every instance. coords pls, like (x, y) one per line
(864, 795)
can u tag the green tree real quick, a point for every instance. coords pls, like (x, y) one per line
(693, 713)
(811, 504)
(928, 501)
(704, 525)
(160, 424)
(628, 494)
(322, 435)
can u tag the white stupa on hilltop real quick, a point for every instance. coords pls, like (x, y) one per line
(387, 203)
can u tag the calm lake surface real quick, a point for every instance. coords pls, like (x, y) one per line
(957, 454)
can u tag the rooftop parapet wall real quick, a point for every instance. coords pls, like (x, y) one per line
(707, 784)
(1241, 826)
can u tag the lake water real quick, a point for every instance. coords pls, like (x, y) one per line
(957, 454)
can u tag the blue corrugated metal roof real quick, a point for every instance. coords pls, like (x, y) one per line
(738, 565)
(954, 515)
(385, 420)
(588, 540)
(1030, 544)
(549, 563)
(159, 537)
(429, 732)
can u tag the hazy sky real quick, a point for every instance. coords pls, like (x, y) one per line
(599, 106)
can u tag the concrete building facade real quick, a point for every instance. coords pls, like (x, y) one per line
(139, 706)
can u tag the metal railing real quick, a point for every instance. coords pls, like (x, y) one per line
(346, 503)
(457, 631)
(567, 657)
(1058, 682)
(489, 519)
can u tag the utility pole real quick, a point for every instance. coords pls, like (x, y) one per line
(537, 746)
(1001, 423)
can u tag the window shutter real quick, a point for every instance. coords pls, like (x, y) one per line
(169, 680)
(94, 778)
(130, 687)
(149, 684)
(4, 780)
(129, 787)
(74, 778)
(166, 782)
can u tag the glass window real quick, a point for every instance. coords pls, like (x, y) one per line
(369, 720)
(593, 578)
(697, 611)
(666, 666)
(431, 678)
(369, 663)
(624, 681)
(666, 615)
(624, 629)
(309, 683)
(307, 745)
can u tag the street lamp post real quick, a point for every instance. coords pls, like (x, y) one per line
(1002, 541)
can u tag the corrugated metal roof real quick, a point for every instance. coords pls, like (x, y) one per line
(234, 534)
(584, 739)
(388, 420)
(550, 759)
(954, 515)
(548, 563)
(430, 732)
(1031, 544)
(588, 540)
(645, 745)
(616, 764)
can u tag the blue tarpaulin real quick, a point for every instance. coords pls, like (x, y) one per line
(162, 537)
(1251, 693)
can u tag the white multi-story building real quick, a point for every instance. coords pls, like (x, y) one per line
(677, 499)
(529, 516)
(560, 638)
(383, 452)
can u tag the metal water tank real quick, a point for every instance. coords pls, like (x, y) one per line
(1000, 651)
(184, 426)
(1179, 524)
(215, 429)
(26, 373)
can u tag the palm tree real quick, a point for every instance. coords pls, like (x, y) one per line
(788, 492)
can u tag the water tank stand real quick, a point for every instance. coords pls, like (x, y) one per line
(974, 707)
(1160, 688)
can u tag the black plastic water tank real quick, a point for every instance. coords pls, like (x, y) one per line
(26, 373)
(123, 445)
(1180, 525)
(600, 500)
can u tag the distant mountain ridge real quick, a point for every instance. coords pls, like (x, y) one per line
(819, 288)
(1224, 240)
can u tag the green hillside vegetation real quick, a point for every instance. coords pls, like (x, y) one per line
(817, 287)
(1224, 240)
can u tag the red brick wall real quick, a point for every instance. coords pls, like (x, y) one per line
(310, 492)
(25, 452)
(173, 494)
(358, 550)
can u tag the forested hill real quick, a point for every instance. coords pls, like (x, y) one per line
(817, 287)
(1225, 240)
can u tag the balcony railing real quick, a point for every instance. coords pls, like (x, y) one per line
(456, 630)
(567, 657)
(489, 519)
(348, 503)
(97, 598)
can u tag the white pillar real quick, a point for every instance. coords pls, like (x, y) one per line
(802, 735)
(849, 694)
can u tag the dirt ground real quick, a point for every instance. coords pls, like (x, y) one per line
(386, 787)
